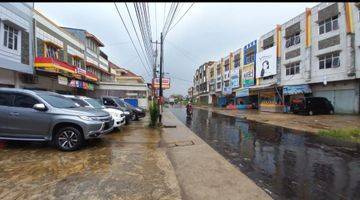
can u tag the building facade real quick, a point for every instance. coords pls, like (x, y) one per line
(59, 61)
(316, 53)
(16, 46)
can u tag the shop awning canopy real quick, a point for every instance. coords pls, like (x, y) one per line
(260, 87)
(296, 89)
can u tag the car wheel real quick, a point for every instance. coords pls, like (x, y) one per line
(133, 117)
(311, 112)
(68, 139)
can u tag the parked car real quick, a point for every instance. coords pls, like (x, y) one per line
(47, 116)
(312, 105)
(117, 115)
(138, 112)
(117, 103)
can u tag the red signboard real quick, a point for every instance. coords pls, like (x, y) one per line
(165, 83)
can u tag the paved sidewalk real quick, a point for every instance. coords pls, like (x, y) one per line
(202, 173)
(311, 124)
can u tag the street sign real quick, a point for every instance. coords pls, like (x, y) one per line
(165, 83)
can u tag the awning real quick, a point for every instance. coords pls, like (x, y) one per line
(296, 89)
(261, 87)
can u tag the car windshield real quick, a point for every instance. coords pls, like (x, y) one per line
(58, 101)
(94, 103)
(120, 102)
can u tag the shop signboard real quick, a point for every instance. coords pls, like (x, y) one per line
(266, 63)
(165, 83)
(248, 75)
(227, 90)
(242, 92)
(62, 80)
(296, 89)
(80, 71)
(235, 78)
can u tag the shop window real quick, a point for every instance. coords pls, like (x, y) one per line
(11, 37)
(329, 61)
(328, 25)
(292, 69)
(292, 40)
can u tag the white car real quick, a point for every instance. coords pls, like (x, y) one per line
(117, 115)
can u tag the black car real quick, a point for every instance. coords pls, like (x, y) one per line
(138, 112)
(312, 105)
(117, 103)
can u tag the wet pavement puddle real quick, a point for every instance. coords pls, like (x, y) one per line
(287, 164)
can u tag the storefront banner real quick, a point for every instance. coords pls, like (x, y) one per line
(62, 80)
(80, 71)
(227, 90)
(296, 89)
(266, 62)
(248, 75)
(235, 78)
(242, 92)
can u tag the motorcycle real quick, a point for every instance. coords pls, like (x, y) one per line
(189, 113)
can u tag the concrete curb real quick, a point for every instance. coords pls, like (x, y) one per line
(203, 173)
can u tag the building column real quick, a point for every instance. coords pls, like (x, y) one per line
(308, 49)
(16, 80)
(350, 41)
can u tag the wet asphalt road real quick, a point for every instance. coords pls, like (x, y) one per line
(287, 164)
(126, 164)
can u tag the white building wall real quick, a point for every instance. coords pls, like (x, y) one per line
(297, 78)
(331, 74)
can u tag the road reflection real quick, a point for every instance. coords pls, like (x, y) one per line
(285, 163)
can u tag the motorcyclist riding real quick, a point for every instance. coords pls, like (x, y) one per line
(189, 109)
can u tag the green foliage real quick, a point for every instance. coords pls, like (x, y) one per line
(154, 113)
(348, 134)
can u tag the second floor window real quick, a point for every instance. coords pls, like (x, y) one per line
(226, 67)
(10, 37)
(51, 51)
(329, 61)
(77, 62)
(328, 25)
(292, 40)
(293, 68)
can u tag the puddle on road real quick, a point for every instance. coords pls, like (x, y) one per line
(287, 164)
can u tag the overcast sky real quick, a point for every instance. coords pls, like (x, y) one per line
(208, 31)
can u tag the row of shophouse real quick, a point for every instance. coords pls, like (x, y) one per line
(316, 53)
(36, 53)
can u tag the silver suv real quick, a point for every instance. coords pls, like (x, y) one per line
(47, 116)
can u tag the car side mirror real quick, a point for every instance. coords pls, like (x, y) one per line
(40, 107)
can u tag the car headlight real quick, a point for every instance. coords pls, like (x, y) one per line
(86, 117)
(127, 113)
(138, 109)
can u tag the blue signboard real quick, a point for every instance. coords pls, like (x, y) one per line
(296, 89)
(242, 92)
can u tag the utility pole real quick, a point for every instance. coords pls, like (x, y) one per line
(161, 74)
(154, 70)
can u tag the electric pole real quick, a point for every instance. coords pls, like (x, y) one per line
(161, 74)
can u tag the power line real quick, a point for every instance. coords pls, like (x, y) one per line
(137, 36)
(122, 20)
(184, 52)
(181, 17)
